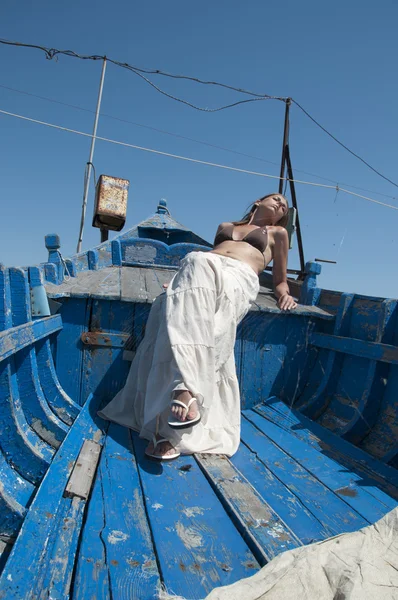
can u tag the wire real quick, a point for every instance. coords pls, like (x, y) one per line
(203, 109)
(194, 160)
(343, 145)
(53, 53)
(184, 137)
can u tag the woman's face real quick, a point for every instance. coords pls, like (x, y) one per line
(274, 206)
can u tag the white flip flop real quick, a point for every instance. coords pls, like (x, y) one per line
(184, 424)
(157, 457)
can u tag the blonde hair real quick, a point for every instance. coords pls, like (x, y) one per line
(247, 217)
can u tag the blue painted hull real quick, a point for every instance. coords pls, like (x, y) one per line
(319, 430)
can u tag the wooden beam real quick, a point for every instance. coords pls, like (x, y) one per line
(14, 339)
(361, 348)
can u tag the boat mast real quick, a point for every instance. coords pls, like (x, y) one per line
(89, 164)
(286, 162)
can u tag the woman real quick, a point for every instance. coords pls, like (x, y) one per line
(182, 390)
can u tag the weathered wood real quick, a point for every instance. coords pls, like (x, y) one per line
(82, 476)
(75, 319)
(28, 562)
(306, 527)
(37, 412)
(332, 512)
(59, 401)
(133, 285)
(21, 447)
(313, 404)
(16, 338)
(327, 470)
(104, 283)
(15, 494)
(197, 545)
(359, 348)
(104, 369)
(260, 526)
(116, 553)
(380, 475)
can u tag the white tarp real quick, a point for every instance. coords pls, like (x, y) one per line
(357, 566)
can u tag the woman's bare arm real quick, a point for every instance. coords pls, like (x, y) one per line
(279, 270)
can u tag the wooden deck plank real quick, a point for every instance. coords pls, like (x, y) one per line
(197, 546)
(116, 545)
(260, 526)
(331, 511)
(104, 283)
(91, 576)
(288, 506)
(82, 476)
(153, 285)
(327, 470)
(28, 560)
(133, 287)
(383, 480)
(58, 576)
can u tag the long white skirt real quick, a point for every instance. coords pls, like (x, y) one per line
(189, 344)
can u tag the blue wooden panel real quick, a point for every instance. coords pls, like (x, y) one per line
(34, 404)
(315, 404)
(332, 512)
(21, 446)
(92, 576)
(266, 341)
(373, 383)
(374, 473)
(75, 317)
(140, 251)
(60, 403)
(57, 576)
(198, 547)
(17, 338)
(364, 318)
(117, 552)
(384, 434)
(27, 563)
(288, 506)
(15, 494)
(104, 371)
(263, 353)
(266, 534)
(325, 468)
(37, 412)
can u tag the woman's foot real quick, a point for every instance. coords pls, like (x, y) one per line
(162, 450)
(179, 413)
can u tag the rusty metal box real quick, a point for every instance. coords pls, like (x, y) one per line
(110, 206)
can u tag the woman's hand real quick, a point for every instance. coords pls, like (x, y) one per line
(286, 302)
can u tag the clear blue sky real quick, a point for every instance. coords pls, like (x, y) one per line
(339, 60)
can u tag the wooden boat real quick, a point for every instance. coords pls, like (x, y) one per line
(84, 515)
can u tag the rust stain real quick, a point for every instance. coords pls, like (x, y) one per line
(133, 563)
(347, 491)
(49, 515)
(250, 565)
(182, 566)
(114, 563)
